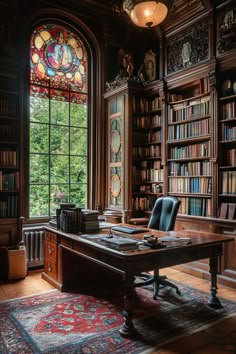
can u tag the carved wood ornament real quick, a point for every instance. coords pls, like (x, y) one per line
(188, 47)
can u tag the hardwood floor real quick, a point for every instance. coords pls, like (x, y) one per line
(218, 339)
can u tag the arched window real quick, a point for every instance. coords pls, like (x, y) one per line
(58, 141)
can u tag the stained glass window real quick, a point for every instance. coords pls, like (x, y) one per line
(58, 169)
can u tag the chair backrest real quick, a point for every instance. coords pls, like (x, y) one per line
(164, 213)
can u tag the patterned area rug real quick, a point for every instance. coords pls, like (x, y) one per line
(56, 322)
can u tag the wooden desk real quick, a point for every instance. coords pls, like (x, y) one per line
(72, 259)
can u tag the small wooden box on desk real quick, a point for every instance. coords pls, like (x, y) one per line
(14, 263)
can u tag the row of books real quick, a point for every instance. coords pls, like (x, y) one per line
(195, 206)
(203, 87)
(229, 182)
(153, 136)
(197, 168)
(150, 175)
(143, 203)
(227, 211)
(229, 158)
(151, 187)
(143, 104)
(149, 164)
(7, 105)
(193, 109)
(8, 131)
(9, 207)
(190, 151)
(147, 122)
(228, 132)
(9, 181)
(229, 110)
(189, 130)
(8, 158)
(146, 151)
(200, 185)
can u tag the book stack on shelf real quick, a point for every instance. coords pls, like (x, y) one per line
(227, 211)
(89, 220)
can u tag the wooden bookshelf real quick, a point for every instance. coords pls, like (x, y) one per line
(9, 158)
(189, 148)
(227, 142)
(147, 168)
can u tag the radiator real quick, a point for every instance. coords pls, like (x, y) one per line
(33, 238)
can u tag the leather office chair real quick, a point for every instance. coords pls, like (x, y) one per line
(163, 218)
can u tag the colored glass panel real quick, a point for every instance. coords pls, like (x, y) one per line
(58, 59)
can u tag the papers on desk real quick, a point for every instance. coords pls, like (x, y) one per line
(171, 241)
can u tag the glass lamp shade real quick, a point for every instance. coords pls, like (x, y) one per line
(146, 13)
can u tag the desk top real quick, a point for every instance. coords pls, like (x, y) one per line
(196, 239)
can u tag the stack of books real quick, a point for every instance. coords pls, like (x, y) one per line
(89, 220)
(120, 243)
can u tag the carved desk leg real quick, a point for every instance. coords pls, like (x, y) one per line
(213, 299)
(127, 328)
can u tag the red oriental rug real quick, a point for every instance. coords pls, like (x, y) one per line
(56, 322)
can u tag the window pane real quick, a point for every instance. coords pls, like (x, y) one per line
(59, 171)
(78, 195)
(39, 169)
(39, 137)
(58, 119)
(59, 194)
(78, 115)
(78, 141)
(39, 109)
(78, 169)
(59, 112)
(59, 140)
(38, 203)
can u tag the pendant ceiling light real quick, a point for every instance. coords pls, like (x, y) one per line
(146, 13)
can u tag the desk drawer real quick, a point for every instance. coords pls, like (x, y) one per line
(50, 236)
(50, 268)
(50, 250)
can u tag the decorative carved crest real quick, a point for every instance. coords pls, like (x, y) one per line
(227, 30)
(188, 47)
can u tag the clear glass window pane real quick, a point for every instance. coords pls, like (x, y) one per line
(59, 139)
(59, 112)
(39, 109)
(59, 169)
(39, 198)
(78, 141)
(78, 169)
(39, 169)
(78, 115)
(39, 134)
(59, 194)
(78, 195)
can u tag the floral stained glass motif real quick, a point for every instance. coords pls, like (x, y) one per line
(58, 59)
